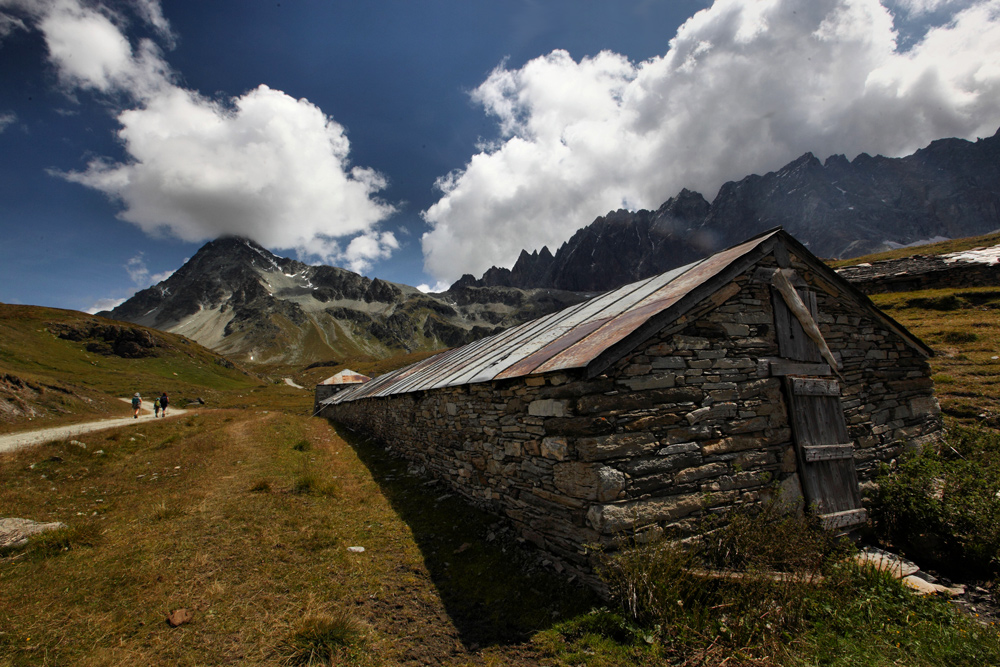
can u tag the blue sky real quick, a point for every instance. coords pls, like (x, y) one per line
(420, 141)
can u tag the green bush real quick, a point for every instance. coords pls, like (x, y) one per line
(940, 507)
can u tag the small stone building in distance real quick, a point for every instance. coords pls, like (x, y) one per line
(335, 383)
(755, 372)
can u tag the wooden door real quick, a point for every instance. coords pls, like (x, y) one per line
(824, 451)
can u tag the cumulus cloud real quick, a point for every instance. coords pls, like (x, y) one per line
(7, 119)
(744, 86)
(263, 165)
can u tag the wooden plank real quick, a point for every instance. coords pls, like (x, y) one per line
(814, 386)
(835, 520)
(815, 453)
(793, 343)
(782, 367)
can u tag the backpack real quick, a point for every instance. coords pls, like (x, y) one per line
(135, 401)
(156, 402)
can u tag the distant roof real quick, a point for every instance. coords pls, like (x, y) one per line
(596, 333)
(346, 376)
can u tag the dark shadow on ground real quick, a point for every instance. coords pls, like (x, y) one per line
(496, 589)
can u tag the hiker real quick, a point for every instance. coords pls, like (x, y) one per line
(136, 402)
(156, 406)
(164, 401)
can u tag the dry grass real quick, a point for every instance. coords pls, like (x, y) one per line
(228, 515)
(963, 328)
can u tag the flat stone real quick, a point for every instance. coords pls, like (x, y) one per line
(616, 518)
(555, 448)
(614, 446)
(659, 381)
(589, 481)
(14, 533)
(547, 407)
(717, 411)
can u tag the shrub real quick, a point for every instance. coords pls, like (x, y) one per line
(745, 584)
(941, 507)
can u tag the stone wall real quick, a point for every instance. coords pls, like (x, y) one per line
(689, 424)
(920, 272)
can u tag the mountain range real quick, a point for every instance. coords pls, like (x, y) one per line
(238, 298)
(838, 208)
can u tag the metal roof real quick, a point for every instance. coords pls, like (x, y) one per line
(571, 338)
(346, 376)
(596, 333)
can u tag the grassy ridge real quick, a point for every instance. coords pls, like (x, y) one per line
(941, 248)
(46, 380)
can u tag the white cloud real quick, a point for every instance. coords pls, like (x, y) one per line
(368, 248)
(139, 272)
(920, 7)
(744, 87)
(439, 286)
(7, 119)
(263, 165)
(104, 304)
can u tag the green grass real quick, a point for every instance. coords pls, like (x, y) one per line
(763, 590)
(46, 380)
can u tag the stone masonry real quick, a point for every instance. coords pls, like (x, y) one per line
(690, 423)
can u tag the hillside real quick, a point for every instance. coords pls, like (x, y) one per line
(63, 366)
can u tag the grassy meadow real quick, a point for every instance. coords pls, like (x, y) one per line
(248, 514)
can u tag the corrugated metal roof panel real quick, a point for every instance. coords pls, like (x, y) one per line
(346, 376)
(570, 338)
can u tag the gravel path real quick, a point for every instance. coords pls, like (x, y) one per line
(14, 441)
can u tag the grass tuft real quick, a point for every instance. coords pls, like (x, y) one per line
(319, 639)
(261, 486)
(302, 446)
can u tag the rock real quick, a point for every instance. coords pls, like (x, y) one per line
(14, 533)
(887, 562)
(77, 443)
(922, 587)
(179, 617)
(356, 550)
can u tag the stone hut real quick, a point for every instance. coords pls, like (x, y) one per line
(753, 372)
(330, 386)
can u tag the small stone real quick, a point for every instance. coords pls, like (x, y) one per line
(179, 617)
(356, 550)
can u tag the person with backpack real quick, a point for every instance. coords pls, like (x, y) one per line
(156, 406)
(136, 402)
(164, 401)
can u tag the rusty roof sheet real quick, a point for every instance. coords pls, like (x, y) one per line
(568, 339)
(346, 376)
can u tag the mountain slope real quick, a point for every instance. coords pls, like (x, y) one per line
(239, 299)
(62, 366)
(838, 208)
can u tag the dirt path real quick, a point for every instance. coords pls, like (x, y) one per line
(14, 441)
